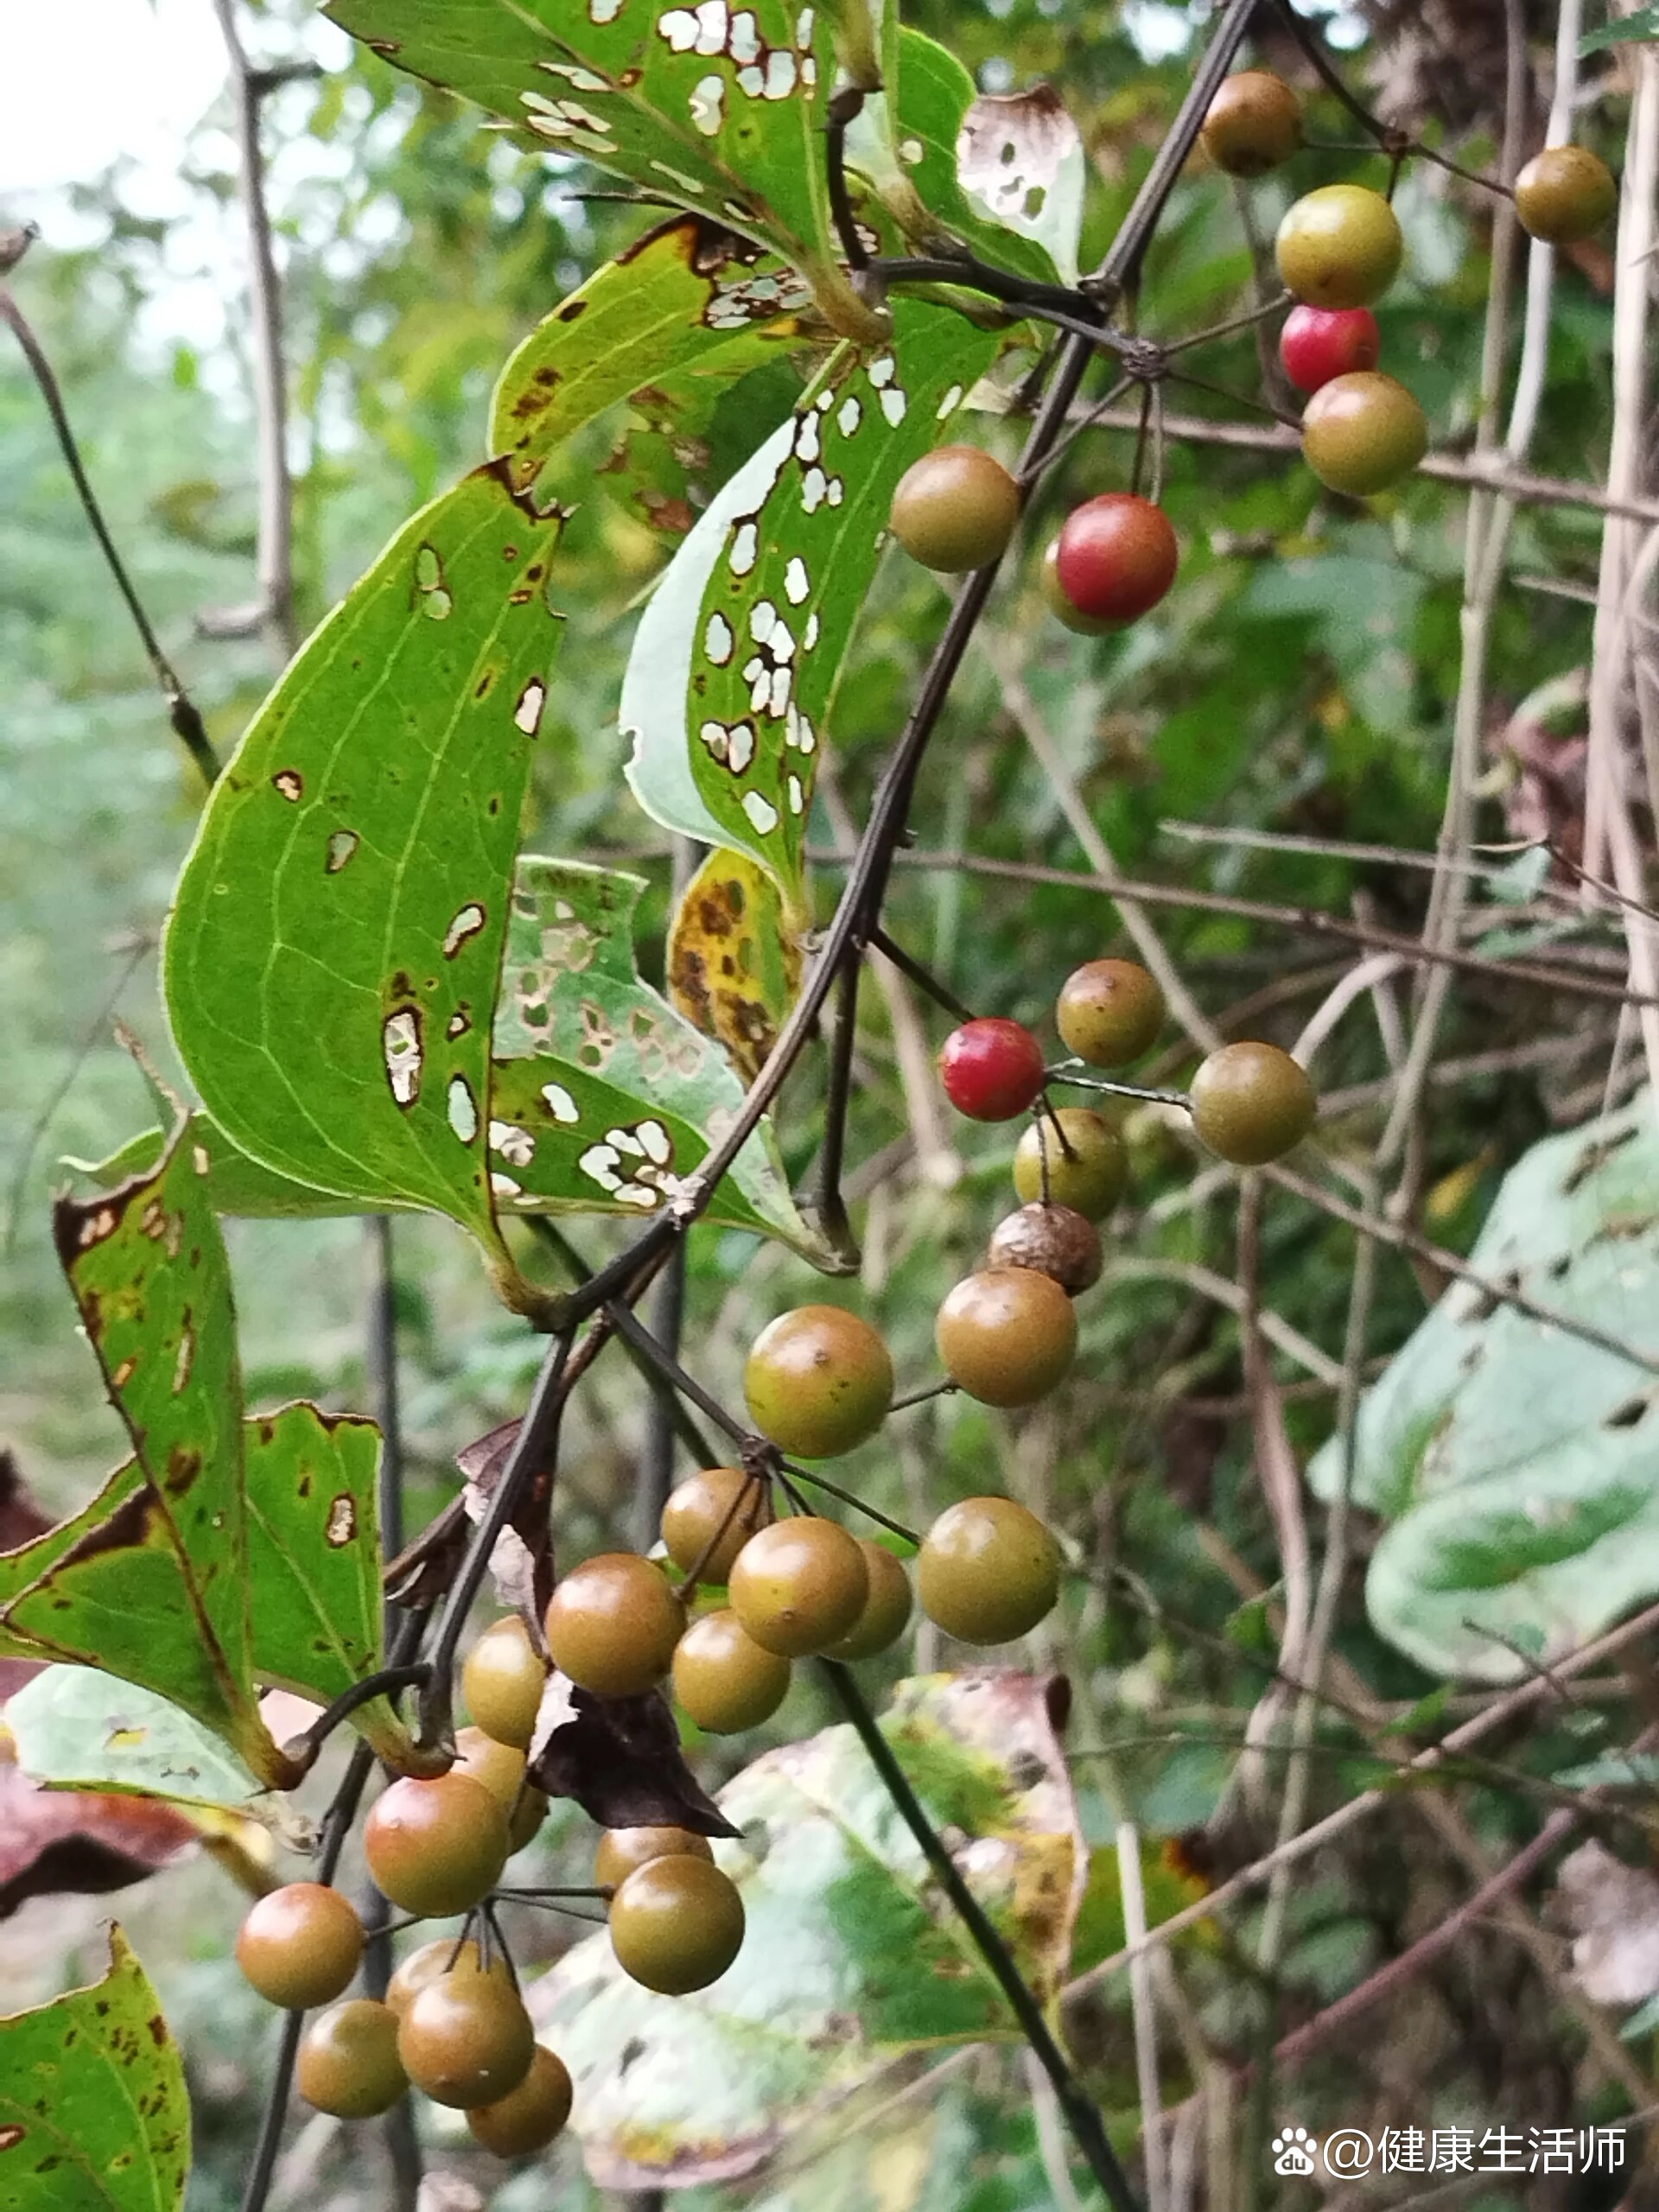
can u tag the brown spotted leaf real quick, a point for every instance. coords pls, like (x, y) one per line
(151, 1582)
(332, 960)
(606, 1099)
(734, 966)
(853, 1960)
(93, 2112)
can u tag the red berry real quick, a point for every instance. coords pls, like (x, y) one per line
(1116, 557)
(1319, 343)
(992, 1069)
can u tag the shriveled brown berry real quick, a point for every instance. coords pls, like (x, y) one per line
(887, 1609)
(620, 1850)
(1255, 123)
(1006, 1335)
(1564, 195)
(677, 1924)
(612, 1624)
(347, 2063)
(819, 1381)
(502, 1682)
(723, 1679)
(1054, 1240)
(529, 2117)
(988, 1571)
(501, 1770)
(1087, 1166)
(955, 509)
(709, 1517)
(460, 1962)
(1251, 1104)
(436, 1847)
(465, 2042)
(1109, 1011)
(799, 1586)
(299, 1945)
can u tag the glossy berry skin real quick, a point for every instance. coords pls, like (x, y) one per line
(465, 2042)
(817, 1382)
(1564, 195)
(502, 1682)
(501, 1770)
(887, 1609)
(348, 2063)
(436, 1847)
(1088, 1168)
(1319, 343)
(799, 1586)
(1255, 123)
(299, 1945)
(1252, 1103)
(612, 1624)
(677, 1924)
(709, 1517)
(1059, 606)
(988, 1571)
(1339, 247)
(1363, 433)
(437, 1960)
(991, 1068)
(620, 1850)
(1109, 1011)
(725, 1681)
(1055, 1241)
(1006, 1335)
(529, 2117)
(1116, 558)
(955, 509)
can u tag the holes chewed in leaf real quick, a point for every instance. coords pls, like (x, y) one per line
(467, 923)
(462, 1108)
(342, 1520)
(527, 714)
(342, 844)
(432, 593)
(290, 785)
(401, 1041)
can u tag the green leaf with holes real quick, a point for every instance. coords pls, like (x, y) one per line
(604, 1095)
(152, 1583)
(852, 1962)
(332, 956)
(76, 1728)
(313, 1559)
(686, 311)
(94, 2111)
(716, 106)
(911, 155)
(1517, 1465)
(731, 681)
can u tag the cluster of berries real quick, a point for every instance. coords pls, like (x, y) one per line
(1338, 249)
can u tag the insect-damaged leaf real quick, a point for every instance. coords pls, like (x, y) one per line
(853, 1959)
(717, 106)
(1515, 1463)
(605, 1098)
(1020, 157)
(735, 661)
(93, 2112)
(313, 1561)
(734, 967)
(151, 1582)
(332, 959)
(690, 296)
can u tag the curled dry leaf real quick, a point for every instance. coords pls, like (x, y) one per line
(1614, 1911)
(620, 1759)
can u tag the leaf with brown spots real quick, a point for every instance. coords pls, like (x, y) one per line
(93, 2113)
(854, 1961)
(150, 1581)
(734, 967)
(332, 1004)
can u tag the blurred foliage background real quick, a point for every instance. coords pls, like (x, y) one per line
(1299, 683)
